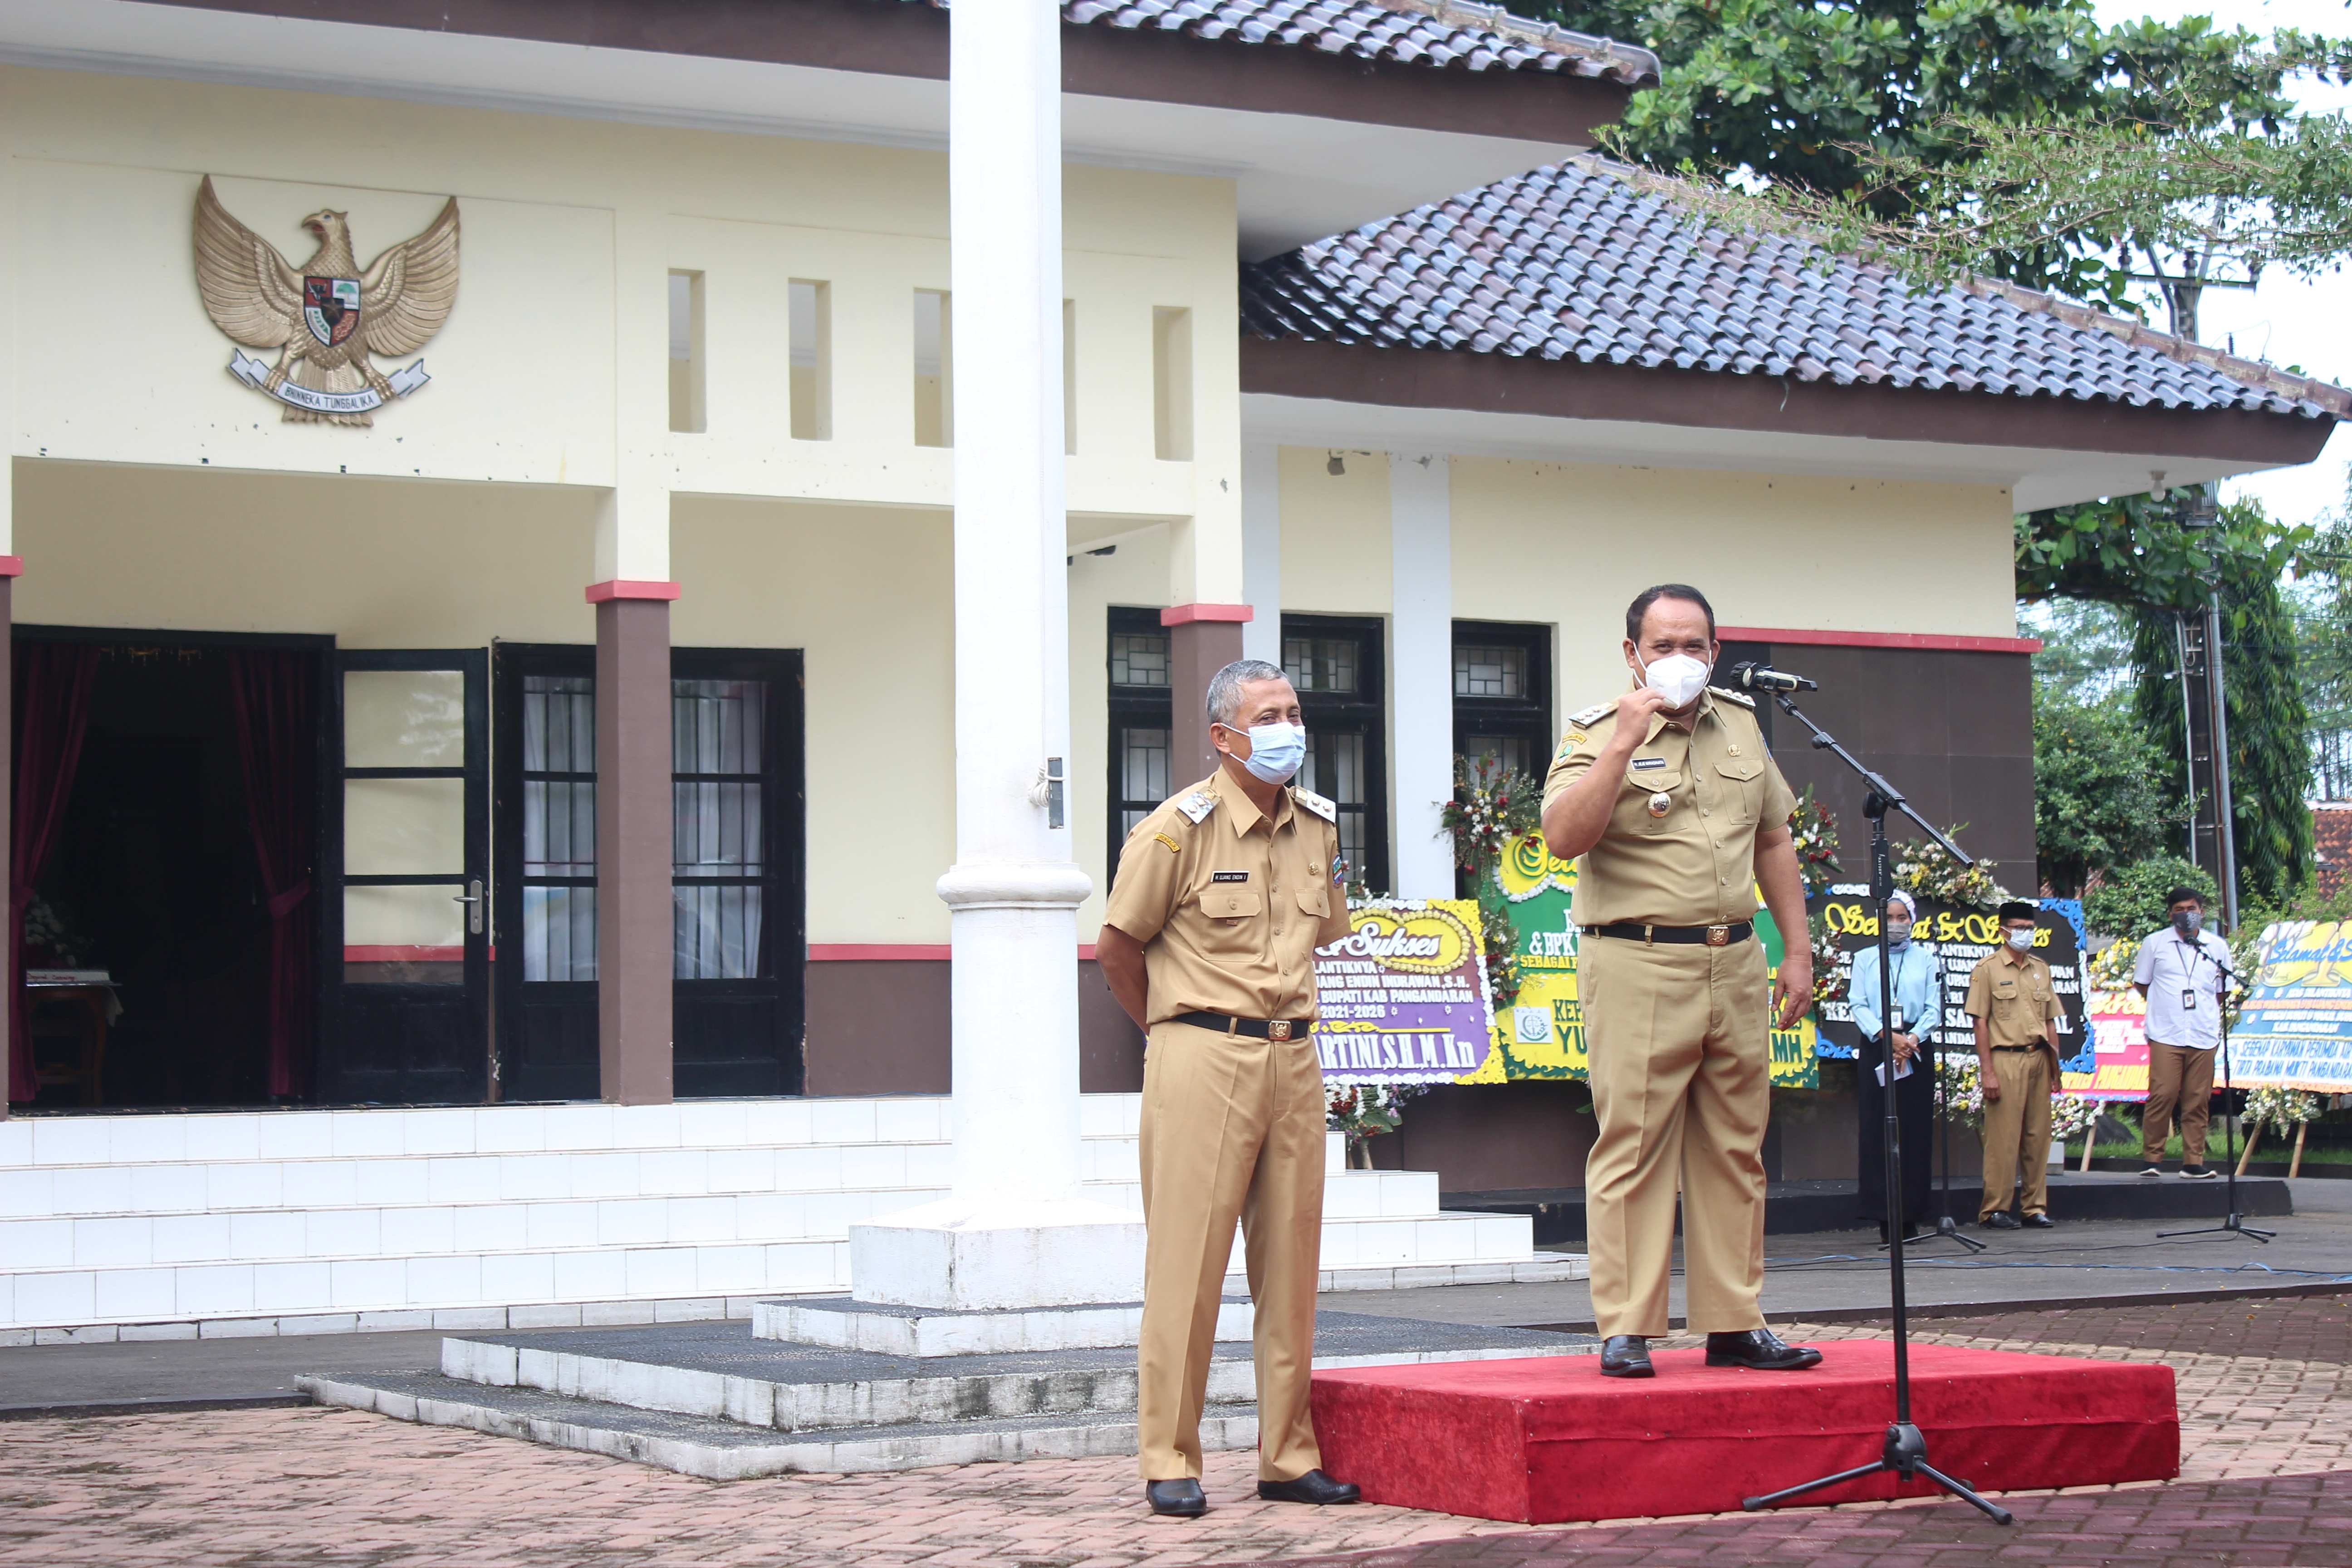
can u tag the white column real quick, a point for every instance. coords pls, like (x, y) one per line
(1262, 549)
(1421, 527)
(1015, 1233)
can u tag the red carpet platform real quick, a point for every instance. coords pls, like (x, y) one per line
(1544, 1441)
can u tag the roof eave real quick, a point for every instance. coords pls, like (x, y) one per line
(1505, 384)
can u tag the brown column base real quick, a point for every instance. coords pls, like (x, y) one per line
(633, 933)
(1198, 646)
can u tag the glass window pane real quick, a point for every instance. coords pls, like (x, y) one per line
(404, 717)
(559, 933)
(1322, 664)
(403, 917)
(716, 932)
(558, 829)
(559, 724)
(718, 726)
(1138, 658)
(1490, 671)
(1143, 765)
(394, 827)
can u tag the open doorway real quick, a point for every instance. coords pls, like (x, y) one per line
(167, 794)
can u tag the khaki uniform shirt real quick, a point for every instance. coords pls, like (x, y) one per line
(1680, 847)
(2017, 1000)
(1230, 905)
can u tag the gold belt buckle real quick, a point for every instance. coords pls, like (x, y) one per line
(1718, 936)
(1278, 1029)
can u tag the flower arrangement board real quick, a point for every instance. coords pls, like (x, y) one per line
(2295, 1030)
(1541, 1033)
(1961, 934)
(2118, 1025)
(1403, 996)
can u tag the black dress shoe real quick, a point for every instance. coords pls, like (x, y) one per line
(1760, 1350)
(1179, 1498)
(1314, 1487)
(2040, 1222)
(1626, 1355)
(2004, 1220)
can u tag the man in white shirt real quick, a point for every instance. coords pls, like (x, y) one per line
(2180, 974)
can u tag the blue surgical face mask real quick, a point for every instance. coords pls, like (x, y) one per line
(1276, 751)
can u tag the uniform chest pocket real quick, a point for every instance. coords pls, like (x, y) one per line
(1637, 804)
(1231, 903)
(1315, 897)
(1741, 781)
(2005, 993)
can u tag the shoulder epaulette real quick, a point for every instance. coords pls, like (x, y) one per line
(1730, 696)
(1315, 804)
(1593, 715)
(1197, 806)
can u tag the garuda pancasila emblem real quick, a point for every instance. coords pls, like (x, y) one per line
(326, 316)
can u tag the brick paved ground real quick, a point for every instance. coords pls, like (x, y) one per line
(2267, 1437)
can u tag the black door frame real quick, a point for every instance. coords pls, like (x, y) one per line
(334, 1033)
(783, 932)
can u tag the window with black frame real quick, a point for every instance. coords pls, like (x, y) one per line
(1502, 694)
(1142, 713)
(1338, 667)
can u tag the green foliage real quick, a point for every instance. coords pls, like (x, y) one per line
(2270, 759)
(2099, 800)
(2130, 902)
(2136, 551)
(1808, 96)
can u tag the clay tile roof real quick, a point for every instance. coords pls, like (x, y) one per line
(1447, 34)
(1591, 261)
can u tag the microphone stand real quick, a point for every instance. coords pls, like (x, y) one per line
(1947, 1228)
(2235, 1222)
(1904, 1449)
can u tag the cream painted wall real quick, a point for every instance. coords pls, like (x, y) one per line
(1334, 532)
(1569, 543)
(1136, 573)
(868, 593)
(374, 562)
(553, 367)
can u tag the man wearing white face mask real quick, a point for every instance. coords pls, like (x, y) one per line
(1223, 895)
(2016, 1008)
(1672, 802)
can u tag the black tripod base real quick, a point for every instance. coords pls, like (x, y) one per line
(1946, 1229)
(1906, 1454)
(2236, 1222)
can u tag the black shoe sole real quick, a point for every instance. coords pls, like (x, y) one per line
(1797, 1364)
(1642, 1369)
(1266, 1496)
(1194, 1511)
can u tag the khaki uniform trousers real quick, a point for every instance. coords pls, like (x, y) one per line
(1232, 1129)
(1680, 1048)
(2180, 1081)
(2017, 1132)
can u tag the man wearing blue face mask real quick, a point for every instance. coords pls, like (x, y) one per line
(2179, 973)
(1222, 897)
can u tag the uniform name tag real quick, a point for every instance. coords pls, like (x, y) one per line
(1643, 765)
(1230, 876)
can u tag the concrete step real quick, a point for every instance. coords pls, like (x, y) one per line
(723, 1371)
(723, 1450)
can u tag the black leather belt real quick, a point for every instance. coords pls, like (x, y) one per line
(1256, 1029)
(1708, 936)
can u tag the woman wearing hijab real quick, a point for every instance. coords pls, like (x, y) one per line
(1918, 1008)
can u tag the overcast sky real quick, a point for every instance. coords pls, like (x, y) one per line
(2287, 321)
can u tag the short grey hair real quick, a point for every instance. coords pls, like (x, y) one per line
(1225, 687)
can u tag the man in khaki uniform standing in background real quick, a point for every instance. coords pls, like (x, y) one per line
(1672, 801)
(2016, 1009)
(1223, 895)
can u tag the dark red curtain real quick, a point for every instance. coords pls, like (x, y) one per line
(52, 714)
(274, 695)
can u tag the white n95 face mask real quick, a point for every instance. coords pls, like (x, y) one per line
(1678, 677)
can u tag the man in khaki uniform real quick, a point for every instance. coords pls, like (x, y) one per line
(1222, 897)
(2016, 1009)
(1671, 798)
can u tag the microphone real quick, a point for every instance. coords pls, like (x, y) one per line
(1751, 676)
